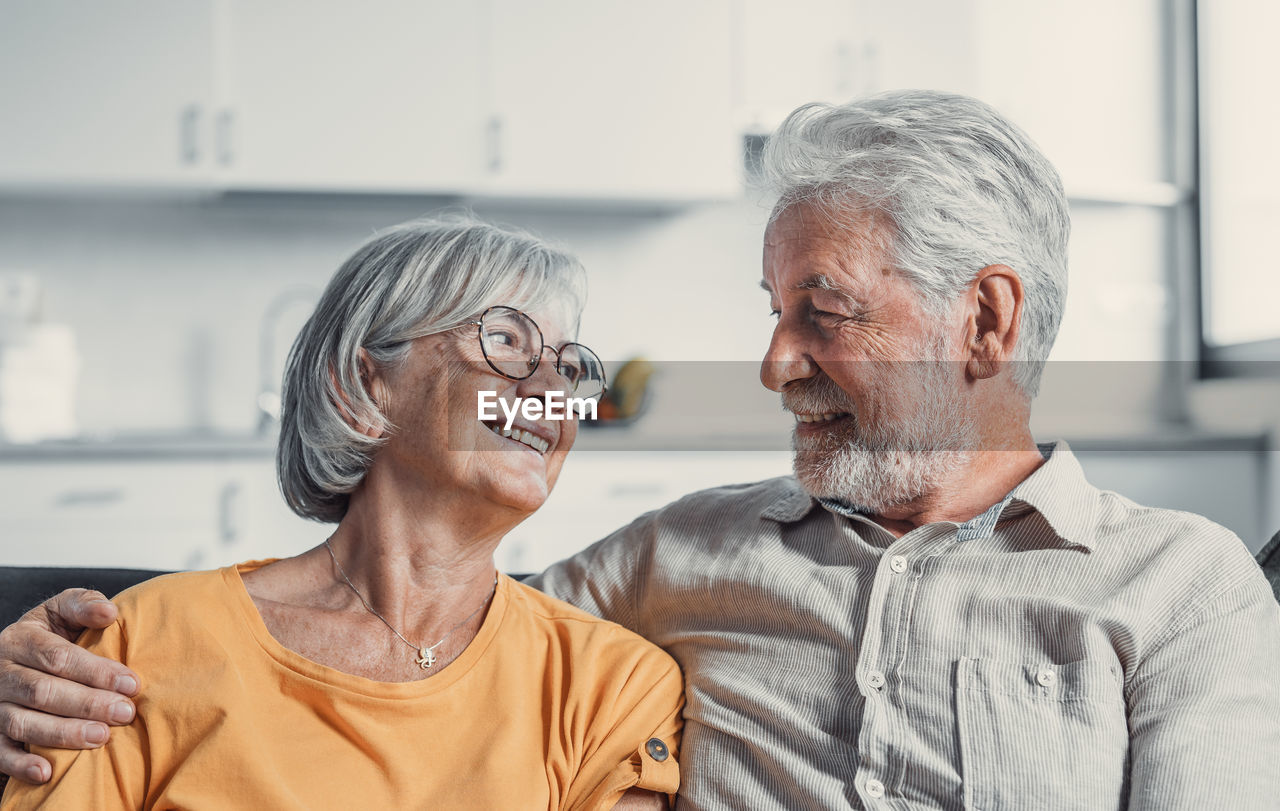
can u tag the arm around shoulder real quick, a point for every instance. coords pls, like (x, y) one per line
(112, 776)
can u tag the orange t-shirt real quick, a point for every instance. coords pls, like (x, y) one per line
(548, 707)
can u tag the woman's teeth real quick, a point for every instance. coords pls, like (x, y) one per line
(522, 436)
(820, 417)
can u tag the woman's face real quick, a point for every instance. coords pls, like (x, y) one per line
(439, 439)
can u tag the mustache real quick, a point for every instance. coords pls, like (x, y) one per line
(816, 395)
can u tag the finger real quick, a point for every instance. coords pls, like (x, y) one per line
(19, 764)
(28, 643)
(73, 610)
(32, 689)
(22, 725)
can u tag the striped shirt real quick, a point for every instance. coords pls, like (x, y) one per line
(1067, 649)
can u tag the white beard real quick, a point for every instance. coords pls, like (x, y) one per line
(877, 467)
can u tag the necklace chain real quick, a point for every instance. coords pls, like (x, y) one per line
(426, 653)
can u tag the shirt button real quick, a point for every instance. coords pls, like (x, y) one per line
(875, 788)
(876, 679)
(657, 749)
(1046, 678)
(898, 563)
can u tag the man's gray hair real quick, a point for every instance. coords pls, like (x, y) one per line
(962, 187)
(411, 280)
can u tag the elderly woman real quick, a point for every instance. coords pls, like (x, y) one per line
(390, 666)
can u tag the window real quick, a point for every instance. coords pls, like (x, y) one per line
(1238, 65)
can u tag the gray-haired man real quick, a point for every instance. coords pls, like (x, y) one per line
(934, 612)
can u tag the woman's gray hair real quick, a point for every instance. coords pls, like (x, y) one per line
(962, 187)
(410, 280)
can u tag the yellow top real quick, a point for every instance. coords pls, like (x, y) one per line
(548, 707)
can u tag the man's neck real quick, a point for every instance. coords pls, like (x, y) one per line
(985, 479)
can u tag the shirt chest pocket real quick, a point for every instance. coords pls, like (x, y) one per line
(1038, 736)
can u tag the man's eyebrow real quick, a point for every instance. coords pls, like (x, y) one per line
(820, 281)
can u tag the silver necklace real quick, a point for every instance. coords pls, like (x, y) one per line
(426, 653)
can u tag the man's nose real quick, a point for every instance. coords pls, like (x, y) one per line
(787, 359)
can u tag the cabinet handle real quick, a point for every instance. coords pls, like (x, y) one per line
(189, 134)
(224, 131)
(494, 139)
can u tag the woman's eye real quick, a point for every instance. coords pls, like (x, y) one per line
(502, 338)
(774, 313)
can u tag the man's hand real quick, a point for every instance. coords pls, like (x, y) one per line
(70, 709)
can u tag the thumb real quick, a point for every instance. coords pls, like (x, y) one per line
(71, 611)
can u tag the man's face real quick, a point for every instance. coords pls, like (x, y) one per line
(860, 360)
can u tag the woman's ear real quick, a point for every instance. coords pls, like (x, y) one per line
(376, 388)
(995, 315)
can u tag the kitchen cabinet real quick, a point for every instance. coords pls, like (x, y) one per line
(145, 513)
(613, 99)
(564, 99)
(379, 95)
(793, 53)
(106, 93)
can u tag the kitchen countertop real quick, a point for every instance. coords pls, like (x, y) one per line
(213, 447)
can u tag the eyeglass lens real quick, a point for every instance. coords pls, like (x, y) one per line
(512, 344)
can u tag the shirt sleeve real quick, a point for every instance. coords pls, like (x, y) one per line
(1204, 709)
(605, 578)
(635, 742)
(109, 777)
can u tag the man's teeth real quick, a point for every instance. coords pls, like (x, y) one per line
(820, 417)
(522, 436)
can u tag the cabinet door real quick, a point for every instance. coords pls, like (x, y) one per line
(604, 98)
(794, 53)
(114, 91)
(378, 95)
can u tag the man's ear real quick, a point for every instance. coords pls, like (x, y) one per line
(995, 315)
(373, 384)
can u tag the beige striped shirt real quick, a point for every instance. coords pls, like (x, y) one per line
(1068, 649)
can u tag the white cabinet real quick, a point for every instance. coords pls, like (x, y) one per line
(794, 53)
(562, 99)
(150, 514)
(378, 95)
(615, 99)
(105, 92)
(600, 491)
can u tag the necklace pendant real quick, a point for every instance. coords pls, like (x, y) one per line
(426, 658)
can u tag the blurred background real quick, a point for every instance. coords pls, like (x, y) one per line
(179, 178)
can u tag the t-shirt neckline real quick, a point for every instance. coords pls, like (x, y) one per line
(314, 671)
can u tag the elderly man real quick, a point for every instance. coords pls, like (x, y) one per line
(934, 612)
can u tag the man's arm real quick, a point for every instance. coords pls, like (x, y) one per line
(1204, 709)
(604, 579)
(52, 692)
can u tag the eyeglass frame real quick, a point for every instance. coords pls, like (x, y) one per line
(537, 359)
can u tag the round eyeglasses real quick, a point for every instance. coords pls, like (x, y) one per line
(512, 345)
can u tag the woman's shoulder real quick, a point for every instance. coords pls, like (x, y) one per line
(172, 601)
(578, 634)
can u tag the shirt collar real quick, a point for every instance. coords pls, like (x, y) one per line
(1057, 490)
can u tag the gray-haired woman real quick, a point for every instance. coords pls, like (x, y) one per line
(390, 667)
